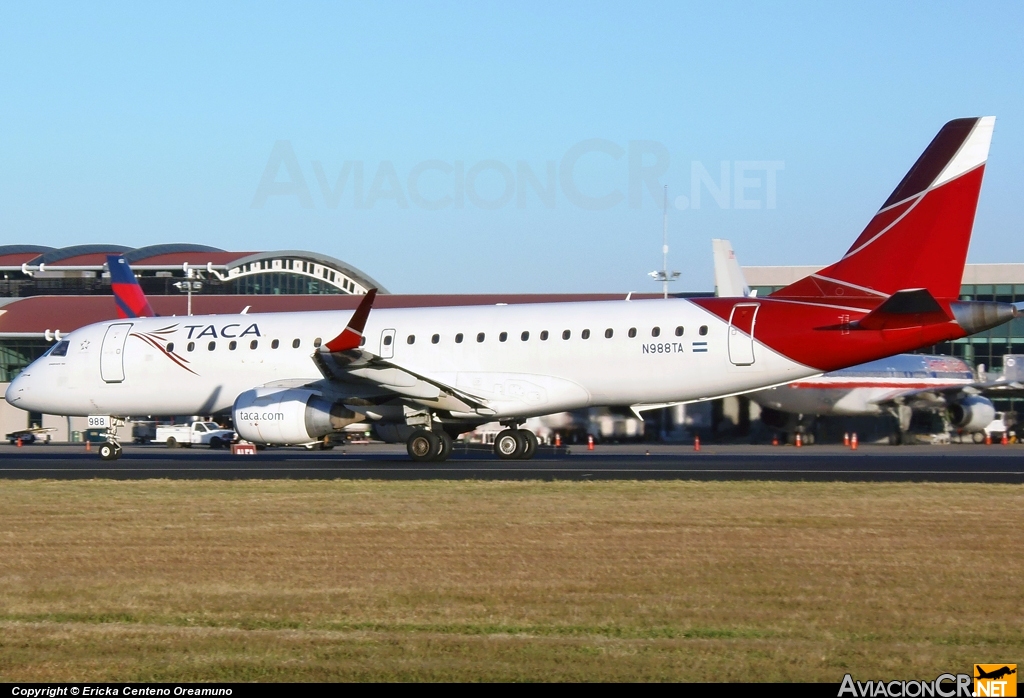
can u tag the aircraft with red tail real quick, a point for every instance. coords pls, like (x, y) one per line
(428, 374)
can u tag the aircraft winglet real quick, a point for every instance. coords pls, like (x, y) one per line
(353, 334)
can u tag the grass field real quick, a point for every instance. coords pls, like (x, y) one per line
(341, 580)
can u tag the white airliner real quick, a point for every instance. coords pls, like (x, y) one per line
(289, 378)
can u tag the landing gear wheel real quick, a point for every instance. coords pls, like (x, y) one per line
(530, 444)
(444, 446)
(423, 445)
(109, 451)
(509, 445)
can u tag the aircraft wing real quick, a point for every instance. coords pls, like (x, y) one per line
(344, 360)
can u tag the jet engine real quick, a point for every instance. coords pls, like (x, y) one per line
(973, 413)
(288, 416)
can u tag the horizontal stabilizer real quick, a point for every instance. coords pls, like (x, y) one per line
(909, 308)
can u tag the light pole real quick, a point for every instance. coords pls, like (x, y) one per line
(664, 276)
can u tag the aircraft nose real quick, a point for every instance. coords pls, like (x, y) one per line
(18, 390)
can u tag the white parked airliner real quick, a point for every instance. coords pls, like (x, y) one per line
(290, 378)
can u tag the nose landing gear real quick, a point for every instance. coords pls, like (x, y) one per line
(109, 450)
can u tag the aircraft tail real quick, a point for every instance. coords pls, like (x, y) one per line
(919, 238)
(729, 281)
(128, 296)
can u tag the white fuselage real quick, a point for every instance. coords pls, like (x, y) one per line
(186, 365)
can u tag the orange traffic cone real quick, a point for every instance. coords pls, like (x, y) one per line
(558, 440)
(590, 442)
(799, 441)
(988, 439)
(696, 442)
(846, 439)
(775, 439)
(853, 441)
(1004, 441)
(19, 442)
(88, 445)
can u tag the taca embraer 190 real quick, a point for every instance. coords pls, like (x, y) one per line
(436, 372)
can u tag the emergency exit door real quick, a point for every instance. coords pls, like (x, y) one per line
(741, 333)
(112, 352)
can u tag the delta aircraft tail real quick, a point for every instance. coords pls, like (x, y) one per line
(128, 296)
(919, 238)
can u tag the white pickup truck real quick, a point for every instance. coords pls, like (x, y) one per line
(186, 435)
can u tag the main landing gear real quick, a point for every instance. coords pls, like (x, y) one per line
(515, 444)
(425, 445)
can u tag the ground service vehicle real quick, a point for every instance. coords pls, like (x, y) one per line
(197, 433)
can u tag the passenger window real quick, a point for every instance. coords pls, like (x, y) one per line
(632, 332)
(211, 346)
(524, 336)
(316, 343)
(435, 339)
(387, 341)
(503, 336)
(458, 338)
(191, 346)
(480, 337)
(585, 334)
(411, 339)
(253, 344)
(544, 336)
(679, 331)
(275, 344)
(703, 330)
(295, 344)
(566, 334)
(608, 333)
(655, 331)
(232, 345)
(170, 347)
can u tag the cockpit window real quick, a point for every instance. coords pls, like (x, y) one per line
(59, 349)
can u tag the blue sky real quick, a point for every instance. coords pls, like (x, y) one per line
(139, 123)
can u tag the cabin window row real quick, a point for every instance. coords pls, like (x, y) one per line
(544, 335)
(254, 344)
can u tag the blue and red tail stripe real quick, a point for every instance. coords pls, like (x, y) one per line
(130, 300)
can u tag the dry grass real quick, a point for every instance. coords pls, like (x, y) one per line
(163, 580)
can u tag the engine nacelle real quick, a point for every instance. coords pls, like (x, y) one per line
(288, 416)
(973, 413)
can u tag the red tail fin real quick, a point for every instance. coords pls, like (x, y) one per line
(919, 238)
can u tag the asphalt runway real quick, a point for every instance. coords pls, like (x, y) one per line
(870, 463)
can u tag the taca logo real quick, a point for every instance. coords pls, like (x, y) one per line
(227, 331)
